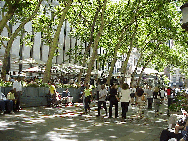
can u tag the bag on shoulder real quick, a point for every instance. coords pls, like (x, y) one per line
(143, 98)
(117, 98)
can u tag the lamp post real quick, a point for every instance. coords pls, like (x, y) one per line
(184, 10)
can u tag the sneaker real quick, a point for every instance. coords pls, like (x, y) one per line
(12, 112)
(2, 112)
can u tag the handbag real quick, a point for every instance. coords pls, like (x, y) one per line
(117, 98)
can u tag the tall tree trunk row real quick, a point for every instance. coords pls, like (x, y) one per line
(89, 45)
(133, 74)
(54, 44)
(143, 68)
(122, 35)
(124, 66)
(95, 46)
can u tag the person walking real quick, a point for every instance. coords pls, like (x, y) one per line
(162, 94)
(17, 87)
(102, 97)
(125, 99)
(169, 91)
(156, 96)
(150, 97)
(113, 101)
(87, 94)
(139, 100)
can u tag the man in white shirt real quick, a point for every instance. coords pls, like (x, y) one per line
(102, 97)
(17, 86)
(150, 97)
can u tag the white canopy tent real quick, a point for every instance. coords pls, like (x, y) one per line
(34, 69)
(146, 70)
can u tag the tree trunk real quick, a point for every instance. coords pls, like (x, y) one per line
(54, 44)
(4, 21)
(112, 65)
(95, 46)
(124, 67)
(116, 50)
(140, 76)
(12, 37)
(133, 74)
(90, 43)
(148, 61)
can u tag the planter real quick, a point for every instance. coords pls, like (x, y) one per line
(32, 92)
(6, 90)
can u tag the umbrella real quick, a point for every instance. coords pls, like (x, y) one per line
(34, 69)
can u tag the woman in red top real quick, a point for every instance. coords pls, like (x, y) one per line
(168, 92)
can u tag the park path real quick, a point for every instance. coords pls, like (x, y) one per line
(69, 123)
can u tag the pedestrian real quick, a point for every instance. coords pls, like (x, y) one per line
(87, 93)
(113, 101)
(125, 99)
(52, 91)
(162, 94)
(140, 102)
(102, 97)
(132, 95)
(150, 97)
(168, 92)
(17, 86)
(156, 96)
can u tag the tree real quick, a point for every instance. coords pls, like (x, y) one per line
(30, 15)
(54, 41)
(88, 21)
(95, 44)
(10, 8)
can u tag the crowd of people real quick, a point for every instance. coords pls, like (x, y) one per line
(136, 96)
(143, 98)
(146, 97)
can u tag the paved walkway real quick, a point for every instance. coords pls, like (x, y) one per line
(69, 123)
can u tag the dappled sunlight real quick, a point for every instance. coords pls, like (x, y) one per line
(142, 131)
(4, 125)
(113, 137)
(70, 123)
(32, 137)
(110, 129)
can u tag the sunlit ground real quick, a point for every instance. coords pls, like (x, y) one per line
(69, 123)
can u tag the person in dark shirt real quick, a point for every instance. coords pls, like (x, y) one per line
(113, 101)
(156, 97)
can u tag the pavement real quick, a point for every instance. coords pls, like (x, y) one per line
(69, 123)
